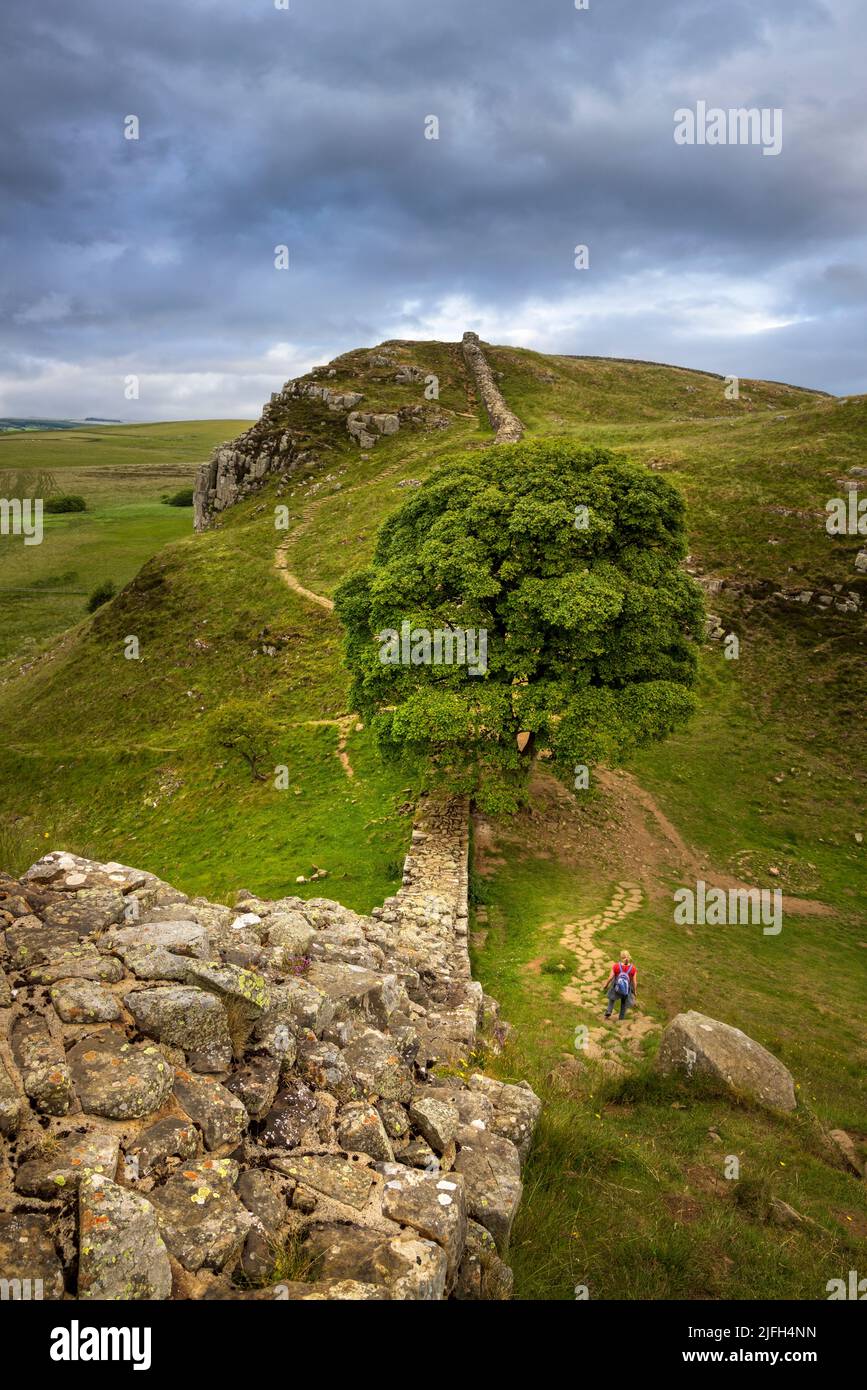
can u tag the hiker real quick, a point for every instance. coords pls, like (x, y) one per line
(621, 985)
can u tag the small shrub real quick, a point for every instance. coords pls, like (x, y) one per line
(243, 727)
(754, 1196)
(66, 502)
(294, 965)
(182, 498)
(559, 965)
(478, 892)
(101, 594)
(293, 1262)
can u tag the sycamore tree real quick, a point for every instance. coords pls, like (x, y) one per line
(526, 600)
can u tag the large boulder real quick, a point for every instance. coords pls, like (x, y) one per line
(220, 1116)
(12, 1104)
(492, 1177)
(84, 1001)
(185, 1017)
(695, 1045)
(200, 1217)
(430, 1204)
(411, 1268)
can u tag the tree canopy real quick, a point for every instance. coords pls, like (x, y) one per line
(567, 561)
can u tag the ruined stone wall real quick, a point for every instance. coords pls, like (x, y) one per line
(186, 1087)
(503, 420)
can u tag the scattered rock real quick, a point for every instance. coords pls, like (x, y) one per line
(42, 1065)
(59, 1171)
(220, 1116)
(121, 1253)
(84, 1001)
(200, 1217)
(118, 1079)
(28, 1254)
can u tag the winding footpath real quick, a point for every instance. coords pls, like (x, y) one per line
(611, 1042)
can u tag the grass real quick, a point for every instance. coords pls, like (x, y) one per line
(625, 1189)
(626, 1186)
(122, 472)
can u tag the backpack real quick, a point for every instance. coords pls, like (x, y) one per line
(622, 984)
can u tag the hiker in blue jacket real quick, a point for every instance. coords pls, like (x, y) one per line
(620, 985)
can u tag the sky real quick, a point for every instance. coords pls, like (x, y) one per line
(305, 127)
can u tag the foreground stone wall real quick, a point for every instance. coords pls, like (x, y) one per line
(187, 1089)
(503, 420)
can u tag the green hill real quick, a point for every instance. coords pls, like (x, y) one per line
(112, 756)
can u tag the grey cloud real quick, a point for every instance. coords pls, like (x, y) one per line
(262, 127)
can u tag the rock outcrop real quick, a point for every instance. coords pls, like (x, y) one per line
(188, 1091)
(271, 447)
(274, 447)
(503, 420)
(694, 1045)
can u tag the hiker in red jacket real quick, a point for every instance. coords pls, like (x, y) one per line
(621, 985)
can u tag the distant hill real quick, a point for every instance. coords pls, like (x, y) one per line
(9, 423)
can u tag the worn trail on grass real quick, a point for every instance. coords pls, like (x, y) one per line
(611, 1042)
(343, 723)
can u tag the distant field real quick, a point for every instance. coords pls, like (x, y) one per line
(122, 471)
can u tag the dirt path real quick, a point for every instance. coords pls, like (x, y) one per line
(281, 563)
(624, 838)
(345, 722)
(611, 1042)
(668, 843)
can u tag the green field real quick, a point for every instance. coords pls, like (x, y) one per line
(113, 757)
(121, 471)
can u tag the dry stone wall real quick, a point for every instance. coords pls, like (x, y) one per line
(186, 1088)
(503, 420)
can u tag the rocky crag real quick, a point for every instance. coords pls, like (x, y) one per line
(274, 447)
(267, 1101)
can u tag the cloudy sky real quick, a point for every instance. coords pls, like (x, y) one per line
(305, 127)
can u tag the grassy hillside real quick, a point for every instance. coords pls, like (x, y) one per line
(625, 1190)
(121, 471)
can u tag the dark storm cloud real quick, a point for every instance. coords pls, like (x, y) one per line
(261, 127)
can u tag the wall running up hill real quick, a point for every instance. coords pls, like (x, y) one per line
(186, 1088)
(241, 466)
(503, 420)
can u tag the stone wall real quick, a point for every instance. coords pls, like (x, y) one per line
(503, 420)
(186, 1088)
